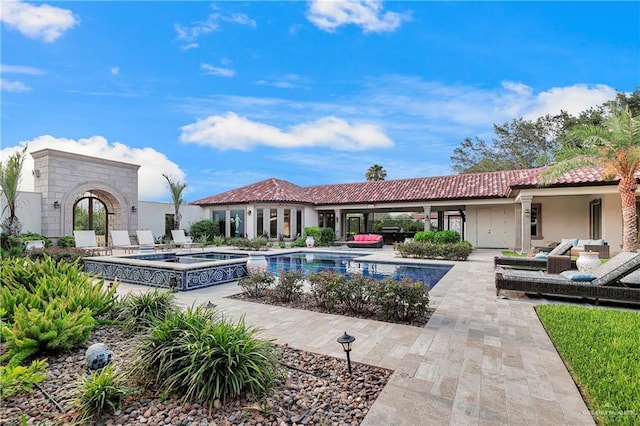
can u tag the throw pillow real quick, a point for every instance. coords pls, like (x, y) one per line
(541, 255)
(578, 276)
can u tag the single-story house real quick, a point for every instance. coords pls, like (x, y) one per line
(503, 209)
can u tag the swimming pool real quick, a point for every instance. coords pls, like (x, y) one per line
(346, 263)
(190, 271)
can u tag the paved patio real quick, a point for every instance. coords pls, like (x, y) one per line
(480, 360)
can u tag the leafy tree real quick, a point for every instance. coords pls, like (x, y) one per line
(523, 144)
(615, 148)
(376, 172)
(10, 173)
(176, 188)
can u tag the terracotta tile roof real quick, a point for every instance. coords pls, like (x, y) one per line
(581, 176)
(267, 190)
(453, 187)
(465, 186)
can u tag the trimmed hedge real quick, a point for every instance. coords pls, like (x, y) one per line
(425, 250)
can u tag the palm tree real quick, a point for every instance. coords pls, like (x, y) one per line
(176, 188)
(615, 148)
(376, 172)
(10, 176)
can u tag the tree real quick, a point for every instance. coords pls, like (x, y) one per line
(524, 144)
(10, 176)
(615, 148)
(376, 172)
(176, 188)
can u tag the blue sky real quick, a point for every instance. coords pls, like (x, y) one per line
(224, 94)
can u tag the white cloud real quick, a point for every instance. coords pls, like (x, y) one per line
(44, 22)
(289, 81)
(13, 86)
(231, 131)
(191, 33)
(152, 163)
(219, 71)
(368, 14)
(572, 99)
(20, 69)
(115, 70)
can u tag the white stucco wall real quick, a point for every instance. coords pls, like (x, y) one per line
(28, 208)
(612, 222)
(151, 216)
(563, 217)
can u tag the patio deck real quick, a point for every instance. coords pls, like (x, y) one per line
(480, 360)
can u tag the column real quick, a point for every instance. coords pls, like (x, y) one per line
(338, 213)
(525, 216)
(427, 217)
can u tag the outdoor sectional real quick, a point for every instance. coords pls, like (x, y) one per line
(606, 284)
(556, 261)
(366, 241)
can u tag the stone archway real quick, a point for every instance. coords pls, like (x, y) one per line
(65, 178)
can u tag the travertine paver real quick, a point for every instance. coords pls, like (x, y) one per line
(480, 360)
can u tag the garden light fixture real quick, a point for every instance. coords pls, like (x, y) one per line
(346, 340)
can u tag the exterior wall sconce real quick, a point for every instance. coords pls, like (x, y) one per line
(345, 340)
(36, 173)
(134, 209)
(527, 212)
(56, 204)
(248, 212)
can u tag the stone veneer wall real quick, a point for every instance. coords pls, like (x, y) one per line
(65, 177)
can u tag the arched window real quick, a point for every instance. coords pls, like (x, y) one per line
(90, 213)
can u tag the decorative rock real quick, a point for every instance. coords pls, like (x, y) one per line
(98, 356)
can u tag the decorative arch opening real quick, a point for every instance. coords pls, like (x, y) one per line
(93, 210)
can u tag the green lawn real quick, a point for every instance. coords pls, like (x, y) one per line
(601, 348)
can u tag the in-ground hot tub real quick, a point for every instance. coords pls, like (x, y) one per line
(178, 271)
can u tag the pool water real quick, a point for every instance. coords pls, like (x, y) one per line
(346, 264)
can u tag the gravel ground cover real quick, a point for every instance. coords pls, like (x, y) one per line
(315, 389)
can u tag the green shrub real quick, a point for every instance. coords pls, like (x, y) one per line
(205, 228)
(203, 359)
(446, 237)
(55, 328)
(138, 310)
(258, 243)
(601, 349)
(32, 236)
(298, 242)
(424, 236)
(315, 232)
(19, 379)
(256, 284)
(327, 236)
(218, 240)
(425, 250)
(402, 301)
(282, 244)
(325, 289)
(357, 293)
(102, 392)
(288, 286)
(58, 254)
(67, 241)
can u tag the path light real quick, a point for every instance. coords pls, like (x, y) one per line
(345, 340)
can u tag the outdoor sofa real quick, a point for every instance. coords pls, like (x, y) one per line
(366, 241)
(550, 261)
(606, 284)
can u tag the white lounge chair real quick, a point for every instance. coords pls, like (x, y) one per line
(86, 240)
(181, 240)
(121, 240)
(146, 239)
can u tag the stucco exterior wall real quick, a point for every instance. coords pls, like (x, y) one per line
(563, 217)
(612, 222)
(28, 205)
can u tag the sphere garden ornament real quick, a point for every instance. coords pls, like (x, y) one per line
(98, 356)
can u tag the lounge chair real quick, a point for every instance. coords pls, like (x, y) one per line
(86, 240)
(121, 240)
(181, 240)
(146, 240)
(541, 262)
(606, 284)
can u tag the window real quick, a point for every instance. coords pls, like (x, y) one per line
(536, 221)
(595, 219)
(287, 224)
(219, 217)
(260, 224)
(298, 222)
(273, 223)
(237, 223)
